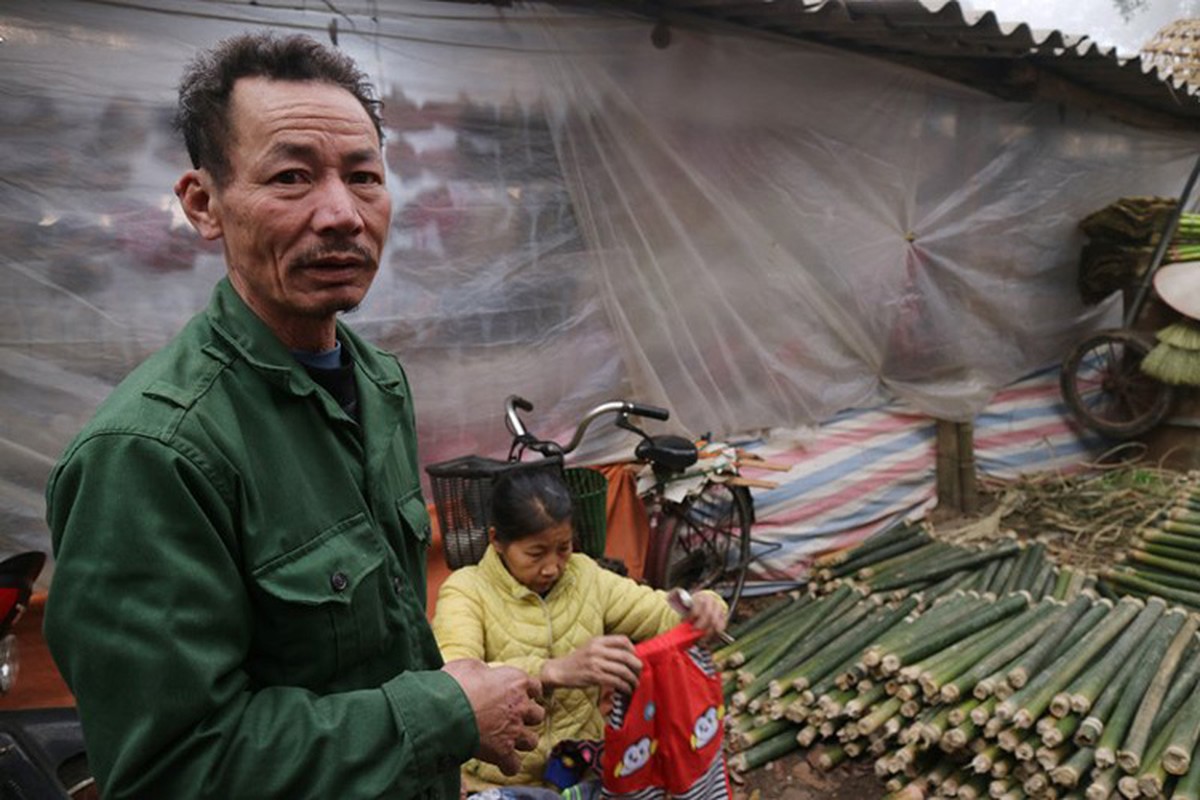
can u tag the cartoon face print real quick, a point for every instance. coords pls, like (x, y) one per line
(636, 756)
(706, 727)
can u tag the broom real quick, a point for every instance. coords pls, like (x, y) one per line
(1176, 357)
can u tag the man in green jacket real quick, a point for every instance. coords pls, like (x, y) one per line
(239, 597)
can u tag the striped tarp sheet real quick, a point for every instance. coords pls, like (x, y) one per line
(866, 470)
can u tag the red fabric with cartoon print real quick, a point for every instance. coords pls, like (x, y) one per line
(669, 733)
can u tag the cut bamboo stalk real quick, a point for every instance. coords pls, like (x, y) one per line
(985, 759)
(1122, 715)
(1029, 702)
(778, 745)
(1188, 787)
(749, 738)
(1172, 540)
(792, 627)
(878, 715)
(943, 567)
(1082, 615)
(847, 646)
(1037, 785)
(1103, 784)
(1160, 577)
(1141, 584)
(1059, 730)
(787, 602)
(1182, 683)
(1092, 726)
(857, 707)
(1062, 581)
(963, 579)
(953, 607)
(1069, 772)
(1132, 748)
(879, 540)
(875, 562)
(833, 628)
(1163, 550)
(984, 711)
(1034, 623)
(951, 632)
(757, 674)
(750, 642)
(1177, 756)
(1152, 774)
(953, 661)
(1141, 557)
(1082, 692)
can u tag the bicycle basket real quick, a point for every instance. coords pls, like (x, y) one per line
(462, 497)
(589, 490)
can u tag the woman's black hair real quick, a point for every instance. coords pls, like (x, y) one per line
(528, 501)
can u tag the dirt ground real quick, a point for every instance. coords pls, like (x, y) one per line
(793, 778)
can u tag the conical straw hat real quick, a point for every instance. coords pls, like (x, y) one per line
(1178, 285)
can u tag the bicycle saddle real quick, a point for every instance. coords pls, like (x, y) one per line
(672, 452)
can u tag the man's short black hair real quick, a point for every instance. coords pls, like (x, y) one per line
(203, 112)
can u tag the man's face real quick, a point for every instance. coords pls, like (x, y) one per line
(304, 213)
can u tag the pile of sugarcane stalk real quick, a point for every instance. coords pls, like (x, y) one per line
(970, 672)
(1164, 560)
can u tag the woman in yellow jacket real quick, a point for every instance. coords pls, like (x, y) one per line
(533, 603)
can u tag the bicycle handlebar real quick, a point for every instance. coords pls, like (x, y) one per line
(517, 427)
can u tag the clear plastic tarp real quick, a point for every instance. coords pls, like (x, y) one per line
(751, 232)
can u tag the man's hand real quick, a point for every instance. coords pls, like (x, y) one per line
(503, 699)
(605, 661)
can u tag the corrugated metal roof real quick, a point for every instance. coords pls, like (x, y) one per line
(1009, 60)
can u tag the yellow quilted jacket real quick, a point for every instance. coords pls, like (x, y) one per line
(483, 612)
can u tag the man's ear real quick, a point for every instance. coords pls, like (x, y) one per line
(196, 194)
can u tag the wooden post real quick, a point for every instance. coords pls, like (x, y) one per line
(967, 487)
(956, 485)
(949, 491)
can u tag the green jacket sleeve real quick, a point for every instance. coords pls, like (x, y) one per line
(150, 619)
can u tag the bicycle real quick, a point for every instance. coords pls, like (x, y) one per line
(699, 536)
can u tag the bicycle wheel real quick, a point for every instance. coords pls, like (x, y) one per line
(702, 542)
(1105, 389)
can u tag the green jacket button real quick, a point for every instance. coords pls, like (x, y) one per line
(397, 584)
(339, 581)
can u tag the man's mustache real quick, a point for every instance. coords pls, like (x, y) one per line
(315, 255)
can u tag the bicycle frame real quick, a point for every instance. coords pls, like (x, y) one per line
(690, 539)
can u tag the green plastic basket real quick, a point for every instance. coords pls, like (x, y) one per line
(589, 490)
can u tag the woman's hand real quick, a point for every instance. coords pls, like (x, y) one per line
(606, 661)
(705, 612)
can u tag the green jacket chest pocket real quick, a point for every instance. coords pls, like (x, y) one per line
(321, 607)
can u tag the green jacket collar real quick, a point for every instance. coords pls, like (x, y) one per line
(250, 338)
